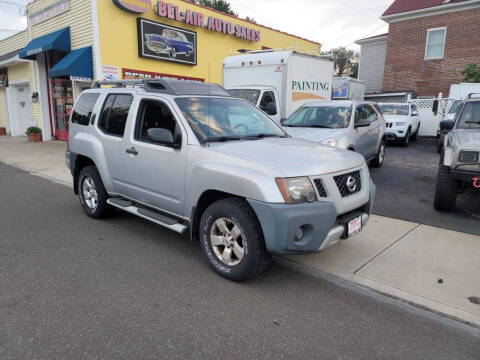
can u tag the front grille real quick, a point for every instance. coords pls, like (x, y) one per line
(349, 184)
(468, 156)
(389, 125)
(320, 188)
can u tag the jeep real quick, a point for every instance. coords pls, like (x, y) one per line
(189, 157)
(459, 167)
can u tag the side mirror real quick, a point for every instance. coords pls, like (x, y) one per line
(415, 113)
(362, 123)
(270, 109)
(162, 137)
(435, 107)
(446, 125)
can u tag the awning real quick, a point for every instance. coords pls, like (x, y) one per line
(78, 65)
(58, 40)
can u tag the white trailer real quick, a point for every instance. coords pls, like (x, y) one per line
(347, 88)
(278, 82)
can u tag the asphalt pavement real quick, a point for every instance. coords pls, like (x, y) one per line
(72, 287)
(406, 189)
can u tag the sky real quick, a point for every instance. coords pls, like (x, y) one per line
(333, 23)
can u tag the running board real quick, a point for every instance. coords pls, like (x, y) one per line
(147, 214)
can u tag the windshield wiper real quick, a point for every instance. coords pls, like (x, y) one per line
(261, 136)
(472, 122)
(225, 138)
(319, 126)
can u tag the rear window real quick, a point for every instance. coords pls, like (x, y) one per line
(82, 111)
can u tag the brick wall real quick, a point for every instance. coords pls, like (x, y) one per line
(405, 66)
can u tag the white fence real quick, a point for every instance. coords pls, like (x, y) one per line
(429, 121)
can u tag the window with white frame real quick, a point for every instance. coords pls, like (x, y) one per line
(435, 45)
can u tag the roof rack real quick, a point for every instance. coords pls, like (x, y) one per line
(471, 95)
(168, 86)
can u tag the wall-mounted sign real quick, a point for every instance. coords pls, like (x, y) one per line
(3, 77)
(164, 42)
(49, 12)
(129, 74)
(194, 18)
(110, 73)
(134, 6)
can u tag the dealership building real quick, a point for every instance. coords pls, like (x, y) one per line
(69, 44)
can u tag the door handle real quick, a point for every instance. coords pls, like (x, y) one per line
(132, 151)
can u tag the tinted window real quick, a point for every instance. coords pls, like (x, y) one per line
(268, 99)
(83, 108)
(155, 115)
(115, 114)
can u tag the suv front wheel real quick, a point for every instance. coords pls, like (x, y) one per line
(92, 193)
(232, 241)
(446, 190)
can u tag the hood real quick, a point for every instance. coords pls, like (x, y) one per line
(396, 118)
(314, 134)
(290, 157)
(467, 139)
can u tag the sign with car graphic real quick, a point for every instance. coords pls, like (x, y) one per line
(164, 42)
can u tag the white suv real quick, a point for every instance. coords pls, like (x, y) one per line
(403, 121)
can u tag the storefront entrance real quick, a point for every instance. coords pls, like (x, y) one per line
(62, 103)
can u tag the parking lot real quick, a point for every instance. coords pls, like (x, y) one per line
(406, 188)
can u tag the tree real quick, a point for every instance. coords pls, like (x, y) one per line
(346, 62)
(471, 73)
(220, 5)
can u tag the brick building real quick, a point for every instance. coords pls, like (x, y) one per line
(428, 44)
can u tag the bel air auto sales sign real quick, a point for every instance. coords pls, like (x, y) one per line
(134, 6)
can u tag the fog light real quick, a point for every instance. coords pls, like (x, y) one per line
(299, 234)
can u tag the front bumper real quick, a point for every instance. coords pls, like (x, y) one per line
(396, 133)
(465, 176)
(322, 227)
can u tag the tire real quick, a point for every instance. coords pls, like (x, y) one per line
(406, 141)
(233, 216)
(446, 190)
(415, 136)
(93, 203)
(377, 162)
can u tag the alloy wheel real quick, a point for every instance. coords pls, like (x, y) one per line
(228, 241)
(90, 193)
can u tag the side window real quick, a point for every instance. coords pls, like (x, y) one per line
(268, 104)
(360, 113)
(371, 115)
(82, 111)
(156, 115)
(115, 114)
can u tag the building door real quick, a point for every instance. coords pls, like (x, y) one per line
(62, 97)
(24, 109)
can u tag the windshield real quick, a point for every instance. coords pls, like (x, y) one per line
(454, 108)
(394, 109)
(330, 117)
(222, 119)
(250, 95)
(470, 116)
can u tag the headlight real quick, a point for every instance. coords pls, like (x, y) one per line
(296, 190)
(401, 123)
(329, 142)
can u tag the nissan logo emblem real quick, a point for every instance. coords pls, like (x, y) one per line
(351, 184)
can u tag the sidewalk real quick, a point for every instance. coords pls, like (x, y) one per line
(433, 268)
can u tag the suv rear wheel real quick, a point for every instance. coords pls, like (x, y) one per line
(446, 190)
(377, 162)
(232, 241)
(92, 193)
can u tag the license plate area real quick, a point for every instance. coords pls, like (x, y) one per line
(352, 224)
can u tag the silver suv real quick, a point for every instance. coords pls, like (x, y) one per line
(352, 125)
(190, 157)
(459, 167)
